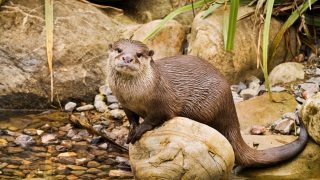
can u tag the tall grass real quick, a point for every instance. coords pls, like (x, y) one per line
(49, 40)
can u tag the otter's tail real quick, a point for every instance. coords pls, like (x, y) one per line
(248, 157)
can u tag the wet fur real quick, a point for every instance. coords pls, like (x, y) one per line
(190, 87)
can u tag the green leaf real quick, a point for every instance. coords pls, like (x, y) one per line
(292, 18)
(49, 39)
(232, 24)
(211, 9)
(174, 13)
(265, 45)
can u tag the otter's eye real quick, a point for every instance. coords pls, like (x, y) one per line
(118, 50)
(139, 55)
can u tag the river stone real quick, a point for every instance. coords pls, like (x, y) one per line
(310, 114)
(171, 37)
(70, 106)
(24, 140)
(81, 37)
(206, 41)
(99, 103)
(181, 149)
(286, 72)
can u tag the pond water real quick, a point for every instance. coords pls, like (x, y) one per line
(53, 149)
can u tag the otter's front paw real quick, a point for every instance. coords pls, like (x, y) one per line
(131, 135)
(139, 131)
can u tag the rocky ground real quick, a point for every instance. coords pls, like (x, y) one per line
(58, 145)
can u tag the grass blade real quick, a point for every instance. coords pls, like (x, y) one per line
(211, 9)
(225, 28)
(49, 39)
(174, 13)
(265, 45)
(232, 24)
(292, 18)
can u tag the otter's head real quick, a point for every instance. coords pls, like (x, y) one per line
(129, 57)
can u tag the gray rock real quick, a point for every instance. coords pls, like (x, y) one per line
(24, 140)
(278, 89)
(99, 103)
(312, 87)
(97, 127)
(117, 114)
(70, 106)
(103, 146)
(66, 143)
(284, 126)
(65, 128)
(111, 99)
(286, 72)
(49, 139)
(105, 90)
(71, 133)
(113, 106)
(85, 107)
(77, 137)
(248, 93)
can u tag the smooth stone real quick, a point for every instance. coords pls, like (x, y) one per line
(286, 72)
(24, 140)
(248, 93)
(161, 153)
(105, 90)
(257, 130)
(103, 146)
(66, 143)
(2, 165)
(97, 127)
(65, 128)
(93, 164)
(113, 106)
(67, 154)
(284, 126)
(71, 133)
(13, 150)
(78, 173)
(39, 132)
(93, 171)
(112, 99)
(38, 149)
(77, 168)
(85, 107)
(99, 103)
(3, 143)
(278, 89)
(310, 114)
(49, 139)
(70, 106)
(120, 173)
(81, 161)
(117, 114)
(30, 131)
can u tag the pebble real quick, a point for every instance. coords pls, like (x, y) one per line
(67, 154)
(257, 130)
(103, 146)
(105, 90)
(80, 145)
(66, 143)
(81, 161)
(97, 127)
(113, 106)
(3, 143)
(31, 132)
(300, 100)
(49, 139)
(72, 177)
(60, 148)
(248, 93)
(117, 114)
(284, 126)
(78, 173)
(120, 173)
(46, 127)
(2, 165)
(66, 128)
(112, 99)
(24, 140)
(77, 168)
(39, 132)
(69, 107)
(99, 103)
(278, 89)
(77, 137)
(71, 133)
(13, 150)
(93, 171)
(38, 149)
(85, 107)
(93, 164)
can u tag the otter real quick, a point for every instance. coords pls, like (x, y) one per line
(186, 86)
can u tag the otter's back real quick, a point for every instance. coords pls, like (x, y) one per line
(201, 88)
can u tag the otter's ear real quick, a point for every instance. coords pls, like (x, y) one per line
(110, 46)
(150, 53)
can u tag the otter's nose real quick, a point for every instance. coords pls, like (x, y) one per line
(127, 59)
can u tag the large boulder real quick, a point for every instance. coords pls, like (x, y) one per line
(168, 42)
(81, 36)
(182, 149)
(206, 41)
(310, 113)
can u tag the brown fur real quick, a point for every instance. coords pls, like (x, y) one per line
(184, 86)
